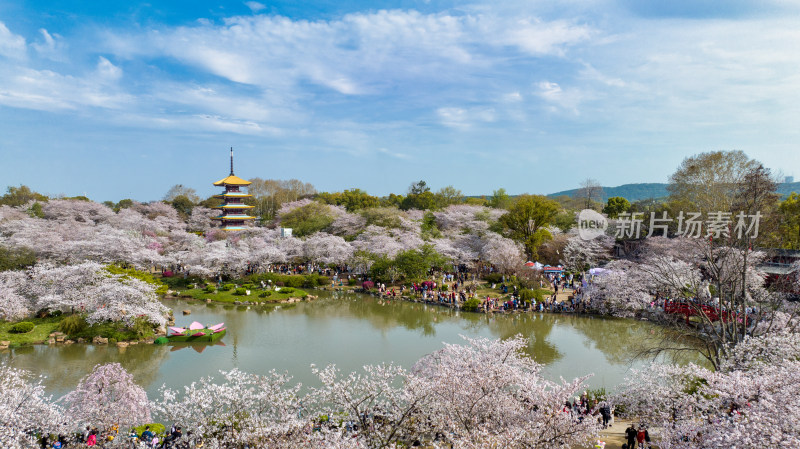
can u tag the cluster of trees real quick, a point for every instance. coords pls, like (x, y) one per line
(88, 288)
(70, 231)
(485, 393)
(751, 351)
(745, 402)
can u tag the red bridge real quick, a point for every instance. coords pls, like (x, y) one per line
(691, 309)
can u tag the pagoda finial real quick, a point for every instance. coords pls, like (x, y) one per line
(231, 161)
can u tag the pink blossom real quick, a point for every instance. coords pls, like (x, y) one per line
(106, 397)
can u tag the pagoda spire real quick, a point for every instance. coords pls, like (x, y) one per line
(231, 161)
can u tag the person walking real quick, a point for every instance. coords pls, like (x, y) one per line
(605, 413)
(642, 437)
(630, 436)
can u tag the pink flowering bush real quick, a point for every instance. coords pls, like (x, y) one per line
(106, 397)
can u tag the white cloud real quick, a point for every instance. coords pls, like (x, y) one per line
(108, 71)
(512, 97)
(255, 6)
(51, 46)
(11, 45)
(27, 88)
(359, 53)
(540, 38)
(558, 98)
(394, 154)
(464, 118)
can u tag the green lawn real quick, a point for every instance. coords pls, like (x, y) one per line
(119, 331)
(44, 327)
(229, 297)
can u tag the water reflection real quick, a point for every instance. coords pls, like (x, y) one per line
(66, 365)
(349, 330)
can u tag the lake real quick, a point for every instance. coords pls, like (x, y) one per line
(350, 330)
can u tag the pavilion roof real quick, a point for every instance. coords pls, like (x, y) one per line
(232, 180)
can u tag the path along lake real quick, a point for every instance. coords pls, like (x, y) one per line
(350, 330)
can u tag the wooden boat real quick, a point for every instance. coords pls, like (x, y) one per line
(197, 333)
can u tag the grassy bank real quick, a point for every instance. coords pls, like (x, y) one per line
(43, 327)
(74, 327)
(230, 296)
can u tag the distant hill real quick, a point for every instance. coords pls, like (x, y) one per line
(646, 191)
(788, 187)
(631, 192)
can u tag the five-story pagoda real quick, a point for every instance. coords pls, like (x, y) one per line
(234, 211)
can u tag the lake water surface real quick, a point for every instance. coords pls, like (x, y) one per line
(350, 330)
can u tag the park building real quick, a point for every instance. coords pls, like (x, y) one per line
(233, 215)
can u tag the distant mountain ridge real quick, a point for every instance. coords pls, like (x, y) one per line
(655, 190)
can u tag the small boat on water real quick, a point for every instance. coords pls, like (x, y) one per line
(196, 333)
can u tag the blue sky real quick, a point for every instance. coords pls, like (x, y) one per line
(125, 99)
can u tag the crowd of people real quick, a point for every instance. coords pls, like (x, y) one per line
(147, 439)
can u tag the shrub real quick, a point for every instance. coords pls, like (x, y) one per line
(23, 327)
(156, 428)
(279, 283)
(264, 294)
(493, 278)
(471, 305)
(209, 289)
(314, 280)
(228, 287)
(597, 393)
(73, 324)
(16, 258)
(351, 281)
(287, 290)
(249, 286)
(366, 285)
(141, 327)
(240, 291)
(294, 281)
(527, 294)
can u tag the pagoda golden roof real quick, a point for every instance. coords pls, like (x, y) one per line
(232, 180)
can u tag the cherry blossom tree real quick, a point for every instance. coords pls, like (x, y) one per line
(244, 409)
(201, 218)
(386, 242)
(25, 409)
(292, 205)
(11, 213)
(106, 397)
(488, 391)
(13, 306)
(163, 216)
(85, 288)
(326, 249)
(87, 212)
(579, 253)
(348, 224)
(744, 404)
(384, 403)
(503, 253)
(618, 291)
(467, 218)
